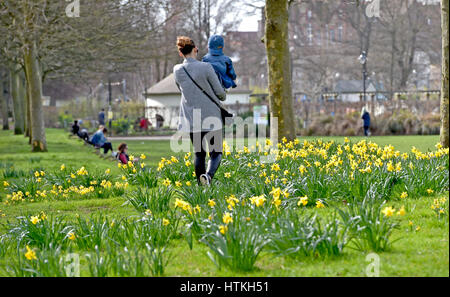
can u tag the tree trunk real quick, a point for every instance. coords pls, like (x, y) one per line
(28, 110)
(3, 104)
(278, 58)
(16, 88)
(445, 75)
(38, 140)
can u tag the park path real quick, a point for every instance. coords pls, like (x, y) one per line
(140, 138)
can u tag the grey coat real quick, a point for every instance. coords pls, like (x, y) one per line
(193, 101)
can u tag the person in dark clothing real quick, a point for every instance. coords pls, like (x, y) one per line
(83, 134)
(195, 103)
(214, 140)
(101, 117)
(366, 121)
(75, 128)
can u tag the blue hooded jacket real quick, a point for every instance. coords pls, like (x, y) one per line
(98, 139)
(366, 119)
(221, 63)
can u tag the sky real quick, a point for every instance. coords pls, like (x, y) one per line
(250, 18)
(249, 23)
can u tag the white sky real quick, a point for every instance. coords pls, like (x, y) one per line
(249, 23)
(249, 17)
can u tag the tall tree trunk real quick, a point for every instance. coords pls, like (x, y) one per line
(278, 58)
(445, 75)
(28, 131)
(34, 80)
(3, 103)
(18, 100)
(391, 70)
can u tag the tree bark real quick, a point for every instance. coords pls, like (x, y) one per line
(279, 65)
(16, 88)
(445, 75)
(34, 80)
(28, 132)
(3, 104)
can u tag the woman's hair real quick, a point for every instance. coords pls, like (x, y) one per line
(122, 147)
(185, 45)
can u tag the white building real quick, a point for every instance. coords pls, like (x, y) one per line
(164, 98)
(350, 90)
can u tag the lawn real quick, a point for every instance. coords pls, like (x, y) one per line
(420, 242)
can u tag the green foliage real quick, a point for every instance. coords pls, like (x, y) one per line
(369, 229)
(299, 236)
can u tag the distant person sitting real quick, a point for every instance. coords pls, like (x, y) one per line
(122, 154)
(101, 117)
(366, 121)
(83, 134)
(99, 140)
(75, 128)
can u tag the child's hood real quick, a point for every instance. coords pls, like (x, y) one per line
(215, 45)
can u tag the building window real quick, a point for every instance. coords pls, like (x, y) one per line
(319, 37)
(340, 32)
(332, 37)
(309, 14)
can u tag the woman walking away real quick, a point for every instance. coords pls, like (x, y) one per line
(366, 121)
(200, 114)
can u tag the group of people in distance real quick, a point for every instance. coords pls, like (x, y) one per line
(99, 141)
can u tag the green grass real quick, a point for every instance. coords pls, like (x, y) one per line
(417, 253)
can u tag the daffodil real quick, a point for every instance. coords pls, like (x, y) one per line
(165, 222)
(401, 211)
(303, 201)
(30, 254)
(388, 211)
(404, 195)
(34, 220)
(319, 204)
(71, 236)
(223, 229)
(227, 218)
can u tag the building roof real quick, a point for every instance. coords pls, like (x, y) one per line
(352, 86)
(167, 86)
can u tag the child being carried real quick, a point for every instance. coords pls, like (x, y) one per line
(221, 63)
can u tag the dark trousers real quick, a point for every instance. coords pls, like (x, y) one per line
(84, 136)
(214, 141)
(107, 146)
(366, 130)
